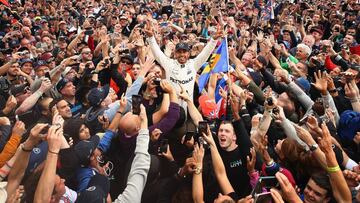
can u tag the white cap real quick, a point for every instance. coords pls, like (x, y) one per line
(66, 71)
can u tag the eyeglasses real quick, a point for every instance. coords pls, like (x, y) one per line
(126, 62)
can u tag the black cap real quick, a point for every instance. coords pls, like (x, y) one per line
(40, 63)
(97, 95)
(62, 38)
(182, 46)
(16, 89)
(85, 148)
(127, 56)
(61, 84)
(97, 191)
(14, 43)
(23, 61)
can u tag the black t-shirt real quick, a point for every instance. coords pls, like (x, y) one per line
(235, 165)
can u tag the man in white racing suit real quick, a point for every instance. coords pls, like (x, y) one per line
(181, 70)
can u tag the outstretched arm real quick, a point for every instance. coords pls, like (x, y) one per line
(140, 165)
(46, 183)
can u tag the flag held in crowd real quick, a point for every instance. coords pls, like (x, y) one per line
(268, 12)
(219, 62)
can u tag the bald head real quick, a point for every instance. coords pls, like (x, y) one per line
(130, 124)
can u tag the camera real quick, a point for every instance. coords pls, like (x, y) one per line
(270, 101)
(106, 62)
(157, 81)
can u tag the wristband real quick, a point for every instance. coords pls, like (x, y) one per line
(333, 169)
(57, 153)
(354, 100)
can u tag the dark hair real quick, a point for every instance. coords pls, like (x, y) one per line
(54, 102)
(323, 181)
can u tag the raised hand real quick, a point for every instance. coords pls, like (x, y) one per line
(312, 125)
(148, 64)
(276, 196)
(149, 28)
(167, 87)
(10, 104)
(325, 142)
(45, 85)
(168, 155)
(155, 134)
(19, 128)
(208, 137)
(198, 155)
(351, 90)
(287, 190)
(250, 162)
(54, 138)
(183, 94)
(320, 82)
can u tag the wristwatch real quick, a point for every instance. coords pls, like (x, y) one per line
(314, 147)
(198, 170)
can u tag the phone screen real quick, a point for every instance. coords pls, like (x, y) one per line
(269, 182)
(136, 101)
(202, 127)
(47, 75)
(163, 146)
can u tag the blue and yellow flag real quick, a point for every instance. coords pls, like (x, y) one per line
(219, 62)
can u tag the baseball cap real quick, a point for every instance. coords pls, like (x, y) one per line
(40, 63)
(62, 22)
(97, 191)
(16, 89)
(123, 18)
(349, 124)
(317, 29)
(127, 56)
(182, 46)
(14, 43)
(23, 61)
(208, 106)
(37, 18)
(304, 84)
(84, 149)
(62, 38)
(66, 71)
(97, 95)
(61, 84)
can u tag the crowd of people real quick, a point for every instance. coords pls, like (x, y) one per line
(100, 101)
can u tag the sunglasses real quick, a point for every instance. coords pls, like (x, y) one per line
(126, 62)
